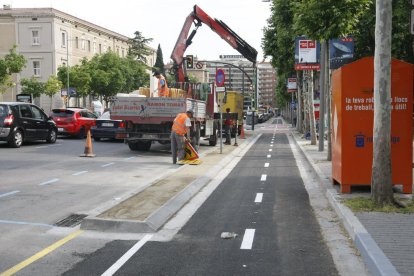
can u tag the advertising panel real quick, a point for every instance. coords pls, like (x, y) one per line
(341, 52)
(307, 54)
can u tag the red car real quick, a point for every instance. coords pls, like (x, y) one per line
(73, 121)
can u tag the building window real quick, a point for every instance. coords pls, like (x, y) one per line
(77, 42)
(36, 68)
(123, 52)
(94, 47)
(83, 43)
(100, 48)
(89, 45)
(63, 39)
(35, 37)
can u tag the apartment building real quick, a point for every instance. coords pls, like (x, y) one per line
(266, 80)
(49, 38)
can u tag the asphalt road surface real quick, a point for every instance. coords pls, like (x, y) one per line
(263, 201)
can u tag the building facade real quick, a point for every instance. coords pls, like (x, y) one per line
(48, 39)
(266, 88)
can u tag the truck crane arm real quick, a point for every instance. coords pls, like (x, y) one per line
(198, 16)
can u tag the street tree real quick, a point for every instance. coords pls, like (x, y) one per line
(159, 62)
(322, 20)
(381, 180)
(32, 86)
(12, 63)
(51, 87)
(139, 49)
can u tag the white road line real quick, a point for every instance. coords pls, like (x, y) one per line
(263, 178)
(129, 158)
(270, 149)
(271, 145)
(267, 165)
(42, 147)
(49, 182)
(114, 268)
(248, 237)
(259, 198)
(107, 165)
(268, 156)
(79, 173)
(9, 193)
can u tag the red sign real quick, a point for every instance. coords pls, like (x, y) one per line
(305, 66)
(220, 77)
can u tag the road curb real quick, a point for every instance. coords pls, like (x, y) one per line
(375, 259)
(160, 216)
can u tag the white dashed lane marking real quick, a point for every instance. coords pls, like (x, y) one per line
(268, 156)
(266, 165)
(9, 193)
(49, 182)
(270, 149)
(259, 198)
(248, 238)
(107, 165)
(79, 173)
(263, 178)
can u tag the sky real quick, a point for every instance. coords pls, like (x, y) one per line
(162, 20)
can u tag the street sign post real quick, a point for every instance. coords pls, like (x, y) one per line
(220, 77)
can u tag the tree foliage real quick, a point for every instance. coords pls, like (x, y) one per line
(10, 64)
(32, 86)
(52, 86)
(159, 62)
(139, 49)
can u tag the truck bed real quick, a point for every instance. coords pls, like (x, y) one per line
(154, 110)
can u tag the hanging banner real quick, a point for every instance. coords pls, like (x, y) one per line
(341, 52)
(307, 54)
(292, 85)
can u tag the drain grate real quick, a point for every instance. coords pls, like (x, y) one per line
(71, 221)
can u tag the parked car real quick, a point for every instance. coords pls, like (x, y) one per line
(107, 128)
(21, 122)
(73, 121)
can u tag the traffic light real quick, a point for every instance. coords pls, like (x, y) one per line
(189, 59)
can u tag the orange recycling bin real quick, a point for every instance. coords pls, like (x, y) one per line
(353, 121)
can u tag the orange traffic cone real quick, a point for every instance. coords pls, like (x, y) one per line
(88, 146)
(242, 132)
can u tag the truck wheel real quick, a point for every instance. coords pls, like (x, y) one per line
(195, 140)
(213, 139)
(133, 145)
(144, 145)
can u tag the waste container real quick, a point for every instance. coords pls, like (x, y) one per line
(353, 120)
(249, 118)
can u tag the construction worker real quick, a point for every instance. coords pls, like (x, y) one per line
(227, 126)
(180, 128)
(163, 90)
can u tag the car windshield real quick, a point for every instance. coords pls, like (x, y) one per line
(105, 116)
(62, 113)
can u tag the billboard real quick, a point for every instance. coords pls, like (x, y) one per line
(292, 85)
(307, 54)
(341, 52)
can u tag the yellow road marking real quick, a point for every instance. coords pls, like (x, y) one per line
(41, 254)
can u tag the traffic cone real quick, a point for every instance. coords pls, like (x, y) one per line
(88, 146)
(242, 133)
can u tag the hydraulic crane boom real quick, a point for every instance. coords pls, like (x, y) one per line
(198, 16)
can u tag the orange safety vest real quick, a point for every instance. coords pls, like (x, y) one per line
(179, 124)
(163, 91)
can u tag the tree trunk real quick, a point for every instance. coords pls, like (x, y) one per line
(300, 105)
(311, 109)
(381, 180)
(322, 102)
(329, 115)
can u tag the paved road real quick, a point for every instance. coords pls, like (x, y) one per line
(263, 200)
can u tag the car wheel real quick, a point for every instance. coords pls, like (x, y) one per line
(82, 133)
(51, 138)
(16, 139)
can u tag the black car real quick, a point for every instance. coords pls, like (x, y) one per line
(107, 128)
(21, 122)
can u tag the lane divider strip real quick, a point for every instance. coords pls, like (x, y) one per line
(9, 193)
(248, 238)
(118, 264)
(259, 198)
(49, 182)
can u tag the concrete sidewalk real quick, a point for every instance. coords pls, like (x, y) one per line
(385, 240)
